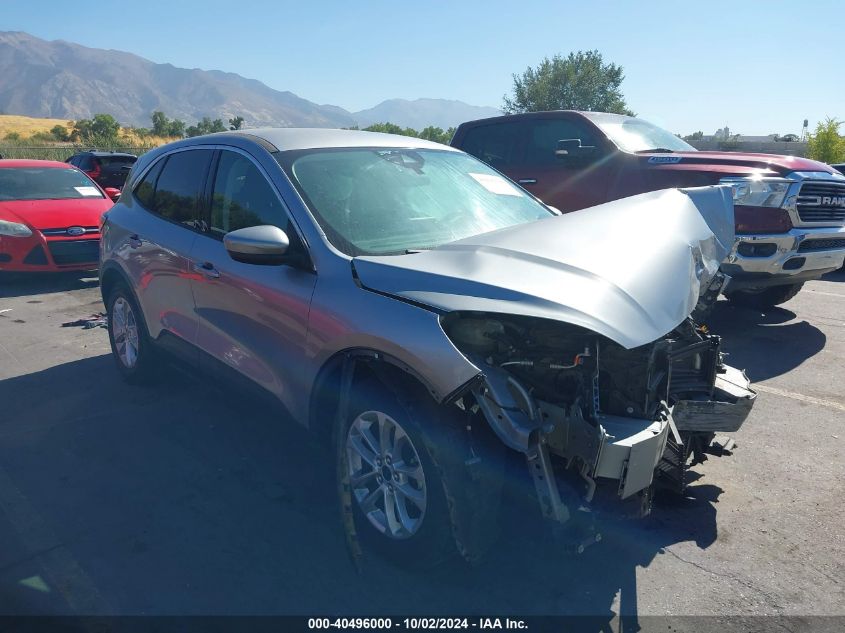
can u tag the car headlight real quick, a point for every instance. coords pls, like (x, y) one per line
(14, 229)
(758, 192)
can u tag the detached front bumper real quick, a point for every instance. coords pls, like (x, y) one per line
(802, 254)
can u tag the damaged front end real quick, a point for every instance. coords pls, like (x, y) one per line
(590, 363)
(588, 413)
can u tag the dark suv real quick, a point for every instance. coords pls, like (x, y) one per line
(107, 169)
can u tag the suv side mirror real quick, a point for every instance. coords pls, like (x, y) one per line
(572, 148)
(262, 245)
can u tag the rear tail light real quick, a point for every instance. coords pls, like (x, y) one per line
(761, 220)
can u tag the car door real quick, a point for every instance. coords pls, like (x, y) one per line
(159, 239)
(567, 182)
(252, 318)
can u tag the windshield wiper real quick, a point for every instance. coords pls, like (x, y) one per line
(656, 150)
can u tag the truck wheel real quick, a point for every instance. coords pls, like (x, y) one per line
(412, 496)
(130, 343)
(766, 298)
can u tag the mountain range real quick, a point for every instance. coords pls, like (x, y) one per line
(59, 79)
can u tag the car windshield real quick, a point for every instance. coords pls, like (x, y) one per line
(637, 135)
(378, 201)
(45, 183)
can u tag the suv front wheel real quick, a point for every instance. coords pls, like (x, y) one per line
(130, 343)
(411, 495)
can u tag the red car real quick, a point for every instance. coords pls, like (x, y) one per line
(49, 217)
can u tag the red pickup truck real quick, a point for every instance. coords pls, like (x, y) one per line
(789, 211)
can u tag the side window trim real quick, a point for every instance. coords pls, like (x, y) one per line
(208, 193)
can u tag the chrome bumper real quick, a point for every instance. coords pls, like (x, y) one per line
(787, 264)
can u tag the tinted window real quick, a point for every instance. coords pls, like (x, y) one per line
(243, 197)
(145, 191)
(116, 162)
(85, 162)
(543, 136)
(180, 186)
(39, 183)
(496, 145)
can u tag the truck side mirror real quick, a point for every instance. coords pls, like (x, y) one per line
(572, 148)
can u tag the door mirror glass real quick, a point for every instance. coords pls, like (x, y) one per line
(572, 148)
(263, 245)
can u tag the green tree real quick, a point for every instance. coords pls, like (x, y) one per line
(176, 128)
(60, 133)
(437, 134)
(206, 126)
(826, 145)
(162, 126)
(391, 128)
(101, 127)
(580, 81)
(695, 136)
(104, 125)
(236, 123)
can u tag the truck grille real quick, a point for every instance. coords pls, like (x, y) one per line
(822, 202)
(821, 244)
(68, 252)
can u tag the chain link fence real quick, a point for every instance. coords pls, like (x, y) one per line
(60, 152)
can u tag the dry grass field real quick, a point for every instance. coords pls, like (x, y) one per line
(22, 146)
(26, 126)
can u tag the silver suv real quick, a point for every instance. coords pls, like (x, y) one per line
(434, 319)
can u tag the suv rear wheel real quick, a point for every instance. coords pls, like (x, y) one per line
(767, 298)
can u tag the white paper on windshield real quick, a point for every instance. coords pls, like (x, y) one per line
(87, 191)
(496, 184)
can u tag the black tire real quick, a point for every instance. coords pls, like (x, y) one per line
(767, 298)
(461, 512)
(142, 370)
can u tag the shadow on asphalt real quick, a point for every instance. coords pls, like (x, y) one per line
(749, 336)
(836, 275)
(185, 498)
(26, 284)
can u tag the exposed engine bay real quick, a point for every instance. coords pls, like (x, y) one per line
(588, 412)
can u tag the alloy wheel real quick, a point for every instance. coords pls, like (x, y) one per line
(386, 475)
(125, 332)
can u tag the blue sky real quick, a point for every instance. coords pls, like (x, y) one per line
(758, 67)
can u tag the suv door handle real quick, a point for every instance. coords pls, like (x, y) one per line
(207, 269)
(527, 181)
(135, 241)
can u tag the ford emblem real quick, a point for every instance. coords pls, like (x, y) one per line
(75, 230)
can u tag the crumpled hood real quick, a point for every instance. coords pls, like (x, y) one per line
(631, 270)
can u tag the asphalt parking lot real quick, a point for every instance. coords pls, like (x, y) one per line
(179, 499)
